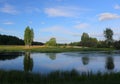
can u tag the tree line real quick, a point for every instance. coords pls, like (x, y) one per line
(85, 41)
(13, 40)
(10, 40)
(109, 42)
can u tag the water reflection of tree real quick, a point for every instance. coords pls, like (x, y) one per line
(52, 56)
(85, 60)
(9, 55)
(109, 63)
(28, 62)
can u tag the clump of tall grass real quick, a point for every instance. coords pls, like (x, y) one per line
(58, 77)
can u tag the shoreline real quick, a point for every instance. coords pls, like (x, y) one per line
(44, 49)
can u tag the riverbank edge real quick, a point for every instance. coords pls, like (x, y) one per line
(44, 49)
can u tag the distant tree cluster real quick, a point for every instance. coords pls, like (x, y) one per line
(74, 44)
(13, 40)
(37, 43)
(51, 42)
(87, 41)
(10, 40)
(117, 44)
(102, 44)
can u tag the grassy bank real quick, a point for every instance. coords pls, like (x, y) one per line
(17, 77)
(57, 50)
(50, 49)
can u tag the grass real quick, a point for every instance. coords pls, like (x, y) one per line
(72, 77)
(11, 48)
(50, 49)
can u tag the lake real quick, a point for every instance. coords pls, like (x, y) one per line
(44, 63)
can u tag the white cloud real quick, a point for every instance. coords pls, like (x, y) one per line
(81, 25)
(117, 7)
(62, 11)
(7, 8)
(108, 16)
(8, 23)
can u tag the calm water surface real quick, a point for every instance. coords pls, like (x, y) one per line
(48, 62)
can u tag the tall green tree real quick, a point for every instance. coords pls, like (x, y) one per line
(28, 36)
(51, 42)
(32, 35)
(108, 34)
(84, 39)
(87, 41)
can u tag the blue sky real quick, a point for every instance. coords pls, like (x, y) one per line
(65, 20)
